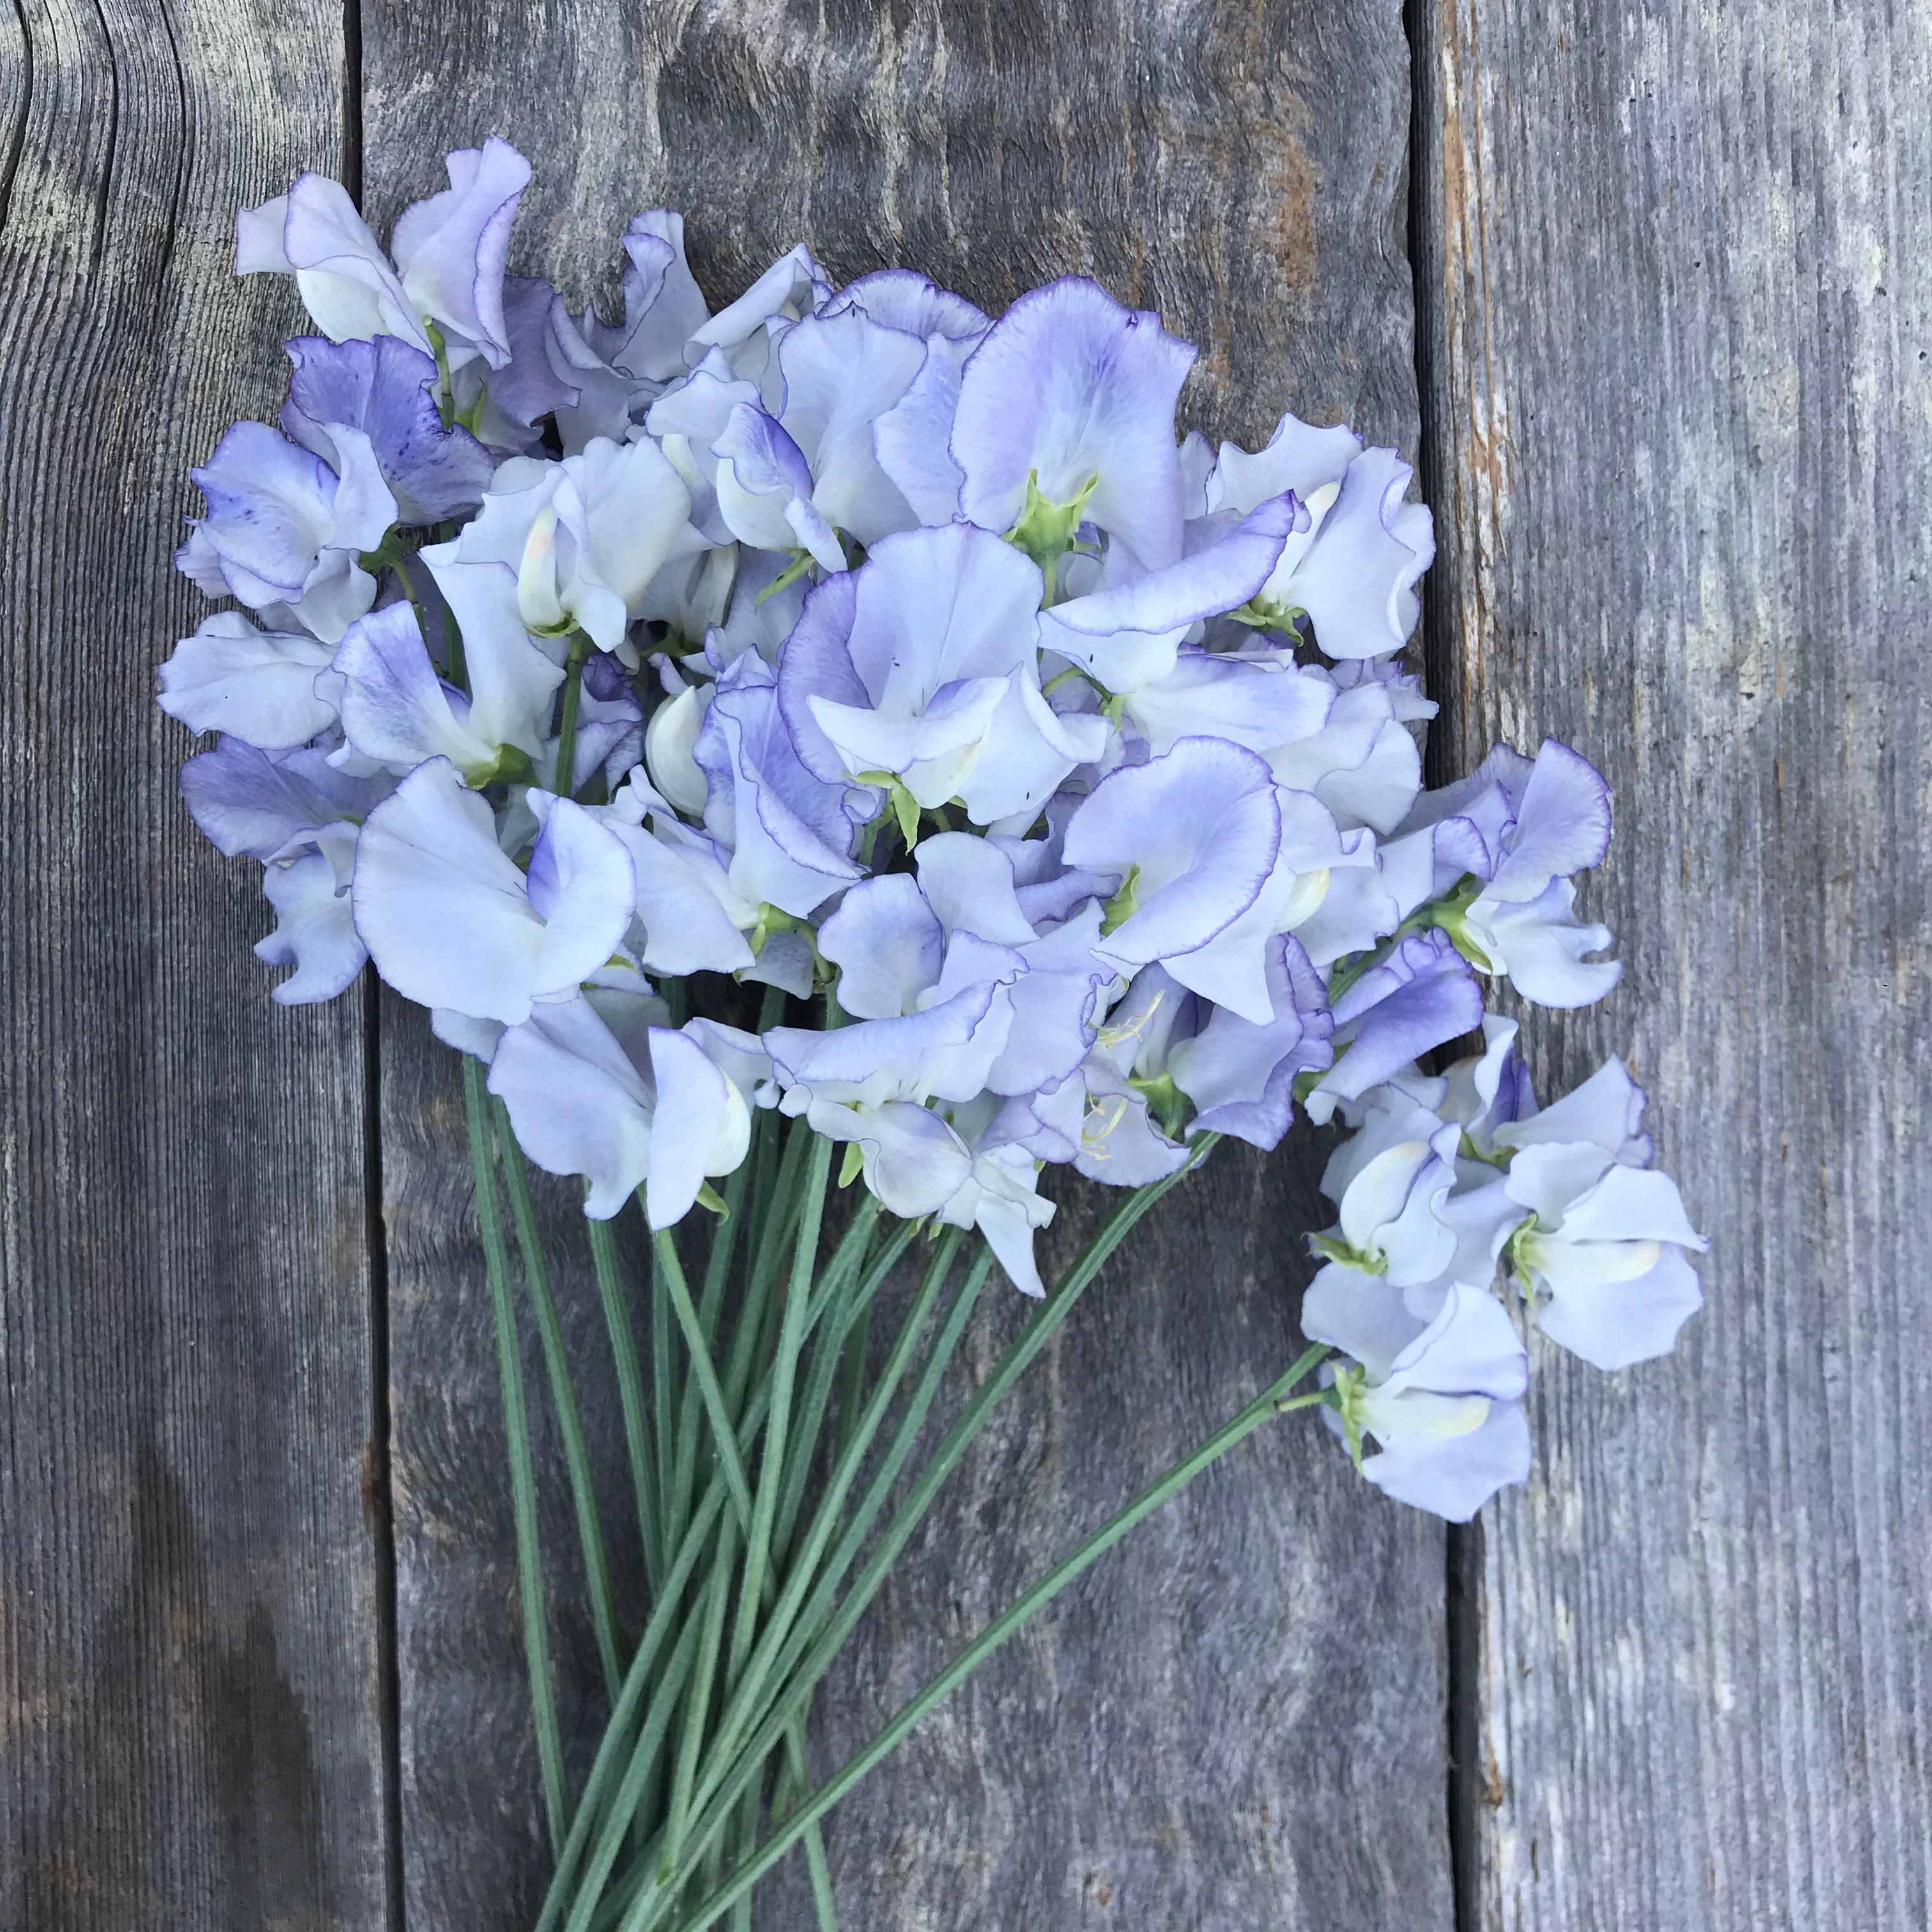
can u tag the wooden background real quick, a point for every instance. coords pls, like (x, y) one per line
(1644, 290)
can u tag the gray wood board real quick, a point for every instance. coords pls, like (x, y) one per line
(1676, 301)
(190, 1728)
(1238, 1722)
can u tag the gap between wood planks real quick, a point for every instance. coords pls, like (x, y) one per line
(1463, 1548)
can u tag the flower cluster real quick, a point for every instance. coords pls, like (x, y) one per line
(852, 642)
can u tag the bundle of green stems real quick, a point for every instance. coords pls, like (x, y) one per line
(772, 1455)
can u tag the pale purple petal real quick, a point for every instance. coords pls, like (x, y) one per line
(246, 802)
(1071, 387)
(888, 945)
(1225, 574)
(1453, 1476)
(701, 1126)
(579, 1104)
(258, 685)
(1202, 826)
(382, 387)
(1563, 824)
(1241, 1076)
(1357, 581)
(451, 249)
(315, 930)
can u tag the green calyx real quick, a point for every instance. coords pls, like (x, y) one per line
(852, 1165)
(1265, 615)
(792, 572)
(1467, 1149)
(904, 808)
(1361, 1259)
(1344, 1396)
(1123, 905)
(510, 766)
(1517, 1256)
(1045, 528)
(773, 920)
(1165, 1101)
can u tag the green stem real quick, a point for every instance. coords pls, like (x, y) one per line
(744, 1707)
(800, 1679)
(1270, 1403)
(778, 1425)
(522, 1475)
(631, 1395)
(638, 1766)
(563, 1399)
(723, 1434)
(697, 1704)
(573, 697)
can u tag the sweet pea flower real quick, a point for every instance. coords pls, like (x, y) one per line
(1359, 758)
(596, 1087)
(285, 532)
(1240, 1075)
(1389, 1181)
(1354, 567)
(1440, 1399)
(1190, 838)
(584, 536)
(923, 665)
(1066, 416)
(449, 251)
(1420, 996)
(1540, 822)
(450, 921)
(1606, 1242)
(245, 801)
(380, 390)
(397, 711)
(614, 369)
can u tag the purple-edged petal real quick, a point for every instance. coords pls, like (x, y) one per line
(395, 709)
(888, 944)
(246, 802)
(1220, 577)
(315, 930)
(383, 388)
(1071, 387)
(1202, 827)
(789, 833)
(1422, 996)
(1241, 1076)
(315, 233)
(1563, 824)
(451, 249)
(1358, 581)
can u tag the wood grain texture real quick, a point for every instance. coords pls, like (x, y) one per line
(1238, 1722)
(1680, 305)
(189, 1709)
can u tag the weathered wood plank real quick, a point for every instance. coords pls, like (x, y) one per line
(189, 1723)
(1238, 1722)
(1679, 398)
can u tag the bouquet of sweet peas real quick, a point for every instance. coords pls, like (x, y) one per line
(849, 738)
